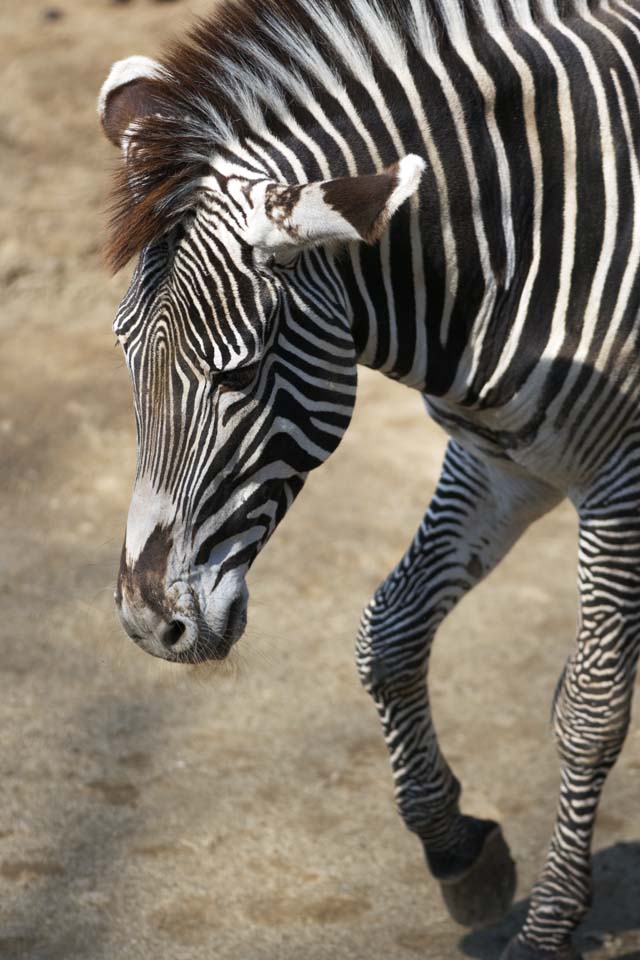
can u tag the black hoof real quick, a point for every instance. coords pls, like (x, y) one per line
(516, 950)
(483, 894)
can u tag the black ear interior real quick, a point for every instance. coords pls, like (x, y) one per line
(362, 200)
(127, 103)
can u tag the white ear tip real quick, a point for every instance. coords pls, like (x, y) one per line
(410, 170)
(409, 173)
(125, 71)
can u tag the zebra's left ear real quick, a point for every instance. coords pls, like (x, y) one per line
(344, 210)
(127, 96)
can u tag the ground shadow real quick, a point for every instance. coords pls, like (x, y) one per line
(84, 840)
(615, 911)
(104, 744)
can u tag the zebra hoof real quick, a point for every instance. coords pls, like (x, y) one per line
(483, 894)
(517, 950)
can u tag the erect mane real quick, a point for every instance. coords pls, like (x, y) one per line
(236, 68)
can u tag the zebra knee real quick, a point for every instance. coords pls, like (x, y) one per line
(590, 718)
(386, 660)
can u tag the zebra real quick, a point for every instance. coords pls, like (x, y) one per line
(447, 191)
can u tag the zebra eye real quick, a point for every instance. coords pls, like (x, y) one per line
(286, 261)
(278, 262)
(237, 378)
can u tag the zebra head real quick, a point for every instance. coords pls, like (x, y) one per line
(236, 332)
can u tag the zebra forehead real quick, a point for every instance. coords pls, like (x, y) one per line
(212, 319)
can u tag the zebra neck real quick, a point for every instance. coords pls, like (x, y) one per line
(423, 300)
(412, 311)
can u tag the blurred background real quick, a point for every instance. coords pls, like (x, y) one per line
(154, 811)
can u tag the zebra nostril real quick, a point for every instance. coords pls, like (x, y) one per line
(236, 612)
(171, 633)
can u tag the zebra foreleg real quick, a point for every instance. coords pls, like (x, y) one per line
(591, 712)
(477, 513)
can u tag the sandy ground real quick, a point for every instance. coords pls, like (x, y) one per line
(151, 812)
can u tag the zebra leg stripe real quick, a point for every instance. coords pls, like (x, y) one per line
(593, 705)
(477, 513)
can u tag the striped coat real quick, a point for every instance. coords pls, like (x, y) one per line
(447, 191)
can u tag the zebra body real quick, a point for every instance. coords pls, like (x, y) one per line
(445, 192)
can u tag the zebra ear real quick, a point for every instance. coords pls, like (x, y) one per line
(345, 210)
(127, 95)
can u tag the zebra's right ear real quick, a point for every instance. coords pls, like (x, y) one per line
(349, 209)
(127, 95)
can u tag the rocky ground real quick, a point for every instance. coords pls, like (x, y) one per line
(156, 812)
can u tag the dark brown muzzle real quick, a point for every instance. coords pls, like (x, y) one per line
(165, 616)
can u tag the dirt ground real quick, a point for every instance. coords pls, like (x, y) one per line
(150, 811)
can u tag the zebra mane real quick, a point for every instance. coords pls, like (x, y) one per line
(252, 64)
